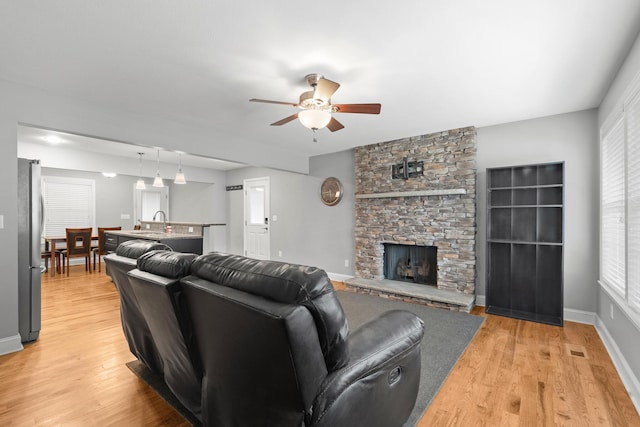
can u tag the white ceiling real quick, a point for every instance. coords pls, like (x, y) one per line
(433, 65)
(73, 143)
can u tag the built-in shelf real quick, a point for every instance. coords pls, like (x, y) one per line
(422, 193)
(525, 242)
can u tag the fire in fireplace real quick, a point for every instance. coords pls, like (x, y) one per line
(411, 263)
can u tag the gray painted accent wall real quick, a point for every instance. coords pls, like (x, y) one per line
(572, 138)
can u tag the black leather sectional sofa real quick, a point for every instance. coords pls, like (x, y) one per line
(244, 342)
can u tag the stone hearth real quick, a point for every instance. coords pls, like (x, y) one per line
(437, 208)
(409, 292)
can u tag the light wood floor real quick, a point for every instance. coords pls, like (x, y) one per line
(513, 372)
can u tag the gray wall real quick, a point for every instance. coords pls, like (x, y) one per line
(114, 196)
(572, 138)
(307, 231)
(193, 202)
(198, 202)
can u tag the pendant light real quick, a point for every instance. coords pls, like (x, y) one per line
(140, 183)
(157, 182)
(179, 175)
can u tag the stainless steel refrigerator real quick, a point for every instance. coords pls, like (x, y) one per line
(30, 211)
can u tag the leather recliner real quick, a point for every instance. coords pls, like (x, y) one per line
(276, 350)
(134, 325)
(163, 307)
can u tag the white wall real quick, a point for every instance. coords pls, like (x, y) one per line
(573, 139)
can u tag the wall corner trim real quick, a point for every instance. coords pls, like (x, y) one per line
(630, 381)
(10, 344)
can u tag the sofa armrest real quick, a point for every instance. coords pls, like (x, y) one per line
(379, 385)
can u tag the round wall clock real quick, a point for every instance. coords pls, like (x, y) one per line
(331, 191)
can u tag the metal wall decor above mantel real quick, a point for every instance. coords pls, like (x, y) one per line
(421, 193)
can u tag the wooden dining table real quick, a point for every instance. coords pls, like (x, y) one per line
(50, 244)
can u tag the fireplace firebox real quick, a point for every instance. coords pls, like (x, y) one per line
(411, 263)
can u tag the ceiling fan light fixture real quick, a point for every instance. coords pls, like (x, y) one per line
(314, 119)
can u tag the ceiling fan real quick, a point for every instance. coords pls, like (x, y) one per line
(316, 106)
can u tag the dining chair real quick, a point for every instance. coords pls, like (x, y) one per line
(46, 256)
(101, 249)
(78, 246)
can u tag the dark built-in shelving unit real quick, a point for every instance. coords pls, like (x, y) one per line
(525, 242)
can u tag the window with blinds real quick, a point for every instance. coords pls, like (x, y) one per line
(633, 202)
(612, 209)
(620, 204)
(68, 203)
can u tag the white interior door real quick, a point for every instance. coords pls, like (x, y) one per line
(149, 201)
(256, 218)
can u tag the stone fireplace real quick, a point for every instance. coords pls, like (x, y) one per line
(436, 208)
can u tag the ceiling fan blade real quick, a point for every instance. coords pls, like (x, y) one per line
(285, 120)
(325, 89)
(334, 125)
(357, 108)
(273, 102)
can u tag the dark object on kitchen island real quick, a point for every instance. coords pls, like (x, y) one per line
(179, 242)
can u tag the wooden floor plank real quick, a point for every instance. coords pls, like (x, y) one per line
(533, 379)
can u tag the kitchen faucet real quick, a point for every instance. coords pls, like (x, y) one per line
(164, 219)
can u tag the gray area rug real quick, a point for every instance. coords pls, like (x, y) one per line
(447, 334)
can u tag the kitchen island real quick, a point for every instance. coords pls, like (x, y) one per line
(213, 233)
(179, 242)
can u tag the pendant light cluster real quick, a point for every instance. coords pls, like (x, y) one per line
(158, 182)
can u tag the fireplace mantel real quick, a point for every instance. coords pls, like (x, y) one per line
(421, 193)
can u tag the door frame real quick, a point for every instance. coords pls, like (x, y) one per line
(267, 210)
(137, 201)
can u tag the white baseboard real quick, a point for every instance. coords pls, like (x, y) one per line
(338, 277)
(580, 316)
(10, 344)
(481, 300)
(630, 381)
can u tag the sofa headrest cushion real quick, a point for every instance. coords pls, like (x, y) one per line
(169, 264)
(135, 248)
(286, 283)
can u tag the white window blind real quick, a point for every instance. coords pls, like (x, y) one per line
(612, 209)
(68, 202)
(633, 202)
